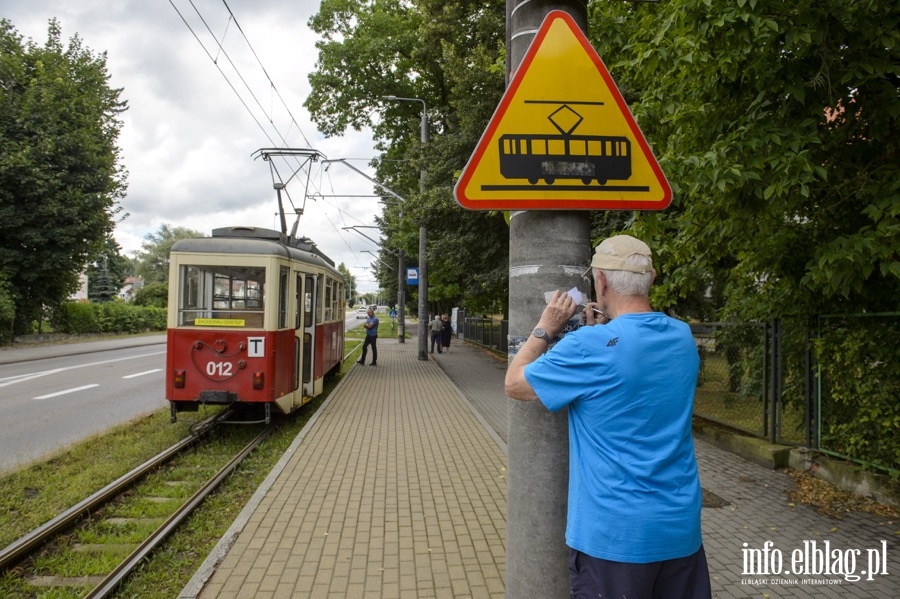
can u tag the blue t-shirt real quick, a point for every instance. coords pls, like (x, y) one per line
(634, 489)
(373, 332)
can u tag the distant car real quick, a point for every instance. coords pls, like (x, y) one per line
(362, 313)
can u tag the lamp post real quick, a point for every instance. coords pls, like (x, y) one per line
(423, 277)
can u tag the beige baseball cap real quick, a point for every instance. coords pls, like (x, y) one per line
(612, 252)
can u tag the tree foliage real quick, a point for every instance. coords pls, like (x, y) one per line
(152, 262)
(448, 54)
(777, 125)
(349, 283)
(154, 294)
(60, 171)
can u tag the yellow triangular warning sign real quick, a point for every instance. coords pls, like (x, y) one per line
(562, 137)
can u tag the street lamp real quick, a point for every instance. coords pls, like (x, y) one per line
(423, 278)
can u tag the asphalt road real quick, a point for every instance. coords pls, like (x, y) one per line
(52, 396)
(50, 403)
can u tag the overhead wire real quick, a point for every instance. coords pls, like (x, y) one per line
(214, 61)
(272, 83)
(240, 76)
(268, 114)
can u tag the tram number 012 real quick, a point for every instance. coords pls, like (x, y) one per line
(219, 369)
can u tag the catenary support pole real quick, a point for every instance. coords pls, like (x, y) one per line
(548, 250)
(401, 299)
(423, 296)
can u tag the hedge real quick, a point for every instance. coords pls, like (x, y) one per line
(79, 318)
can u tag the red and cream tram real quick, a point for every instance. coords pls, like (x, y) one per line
(255, 316)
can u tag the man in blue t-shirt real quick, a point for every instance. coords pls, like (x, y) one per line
(371, 326)
(633, 520)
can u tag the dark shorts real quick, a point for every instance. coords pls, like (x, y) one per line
(681, 578)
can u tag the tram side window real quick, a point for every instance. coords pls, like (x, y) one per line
(338, 298)
(222, 292)
(329, 283)
(284, 288)
(308, 301)
(320, 308)
(298, 298)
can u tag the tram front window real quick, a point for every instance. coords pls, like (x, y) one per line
(212, 295)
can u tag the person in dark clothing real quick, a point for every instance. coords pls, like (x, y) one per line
(446, 333)
(371, 326)
(436, 325)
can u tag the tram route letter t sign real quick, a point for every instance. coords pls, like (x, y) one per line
(562, 137)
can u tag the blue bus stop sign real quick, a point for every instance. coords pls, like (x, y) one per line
(412, 276)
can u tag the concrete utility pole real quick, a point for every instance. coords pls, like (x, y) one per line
(423, 234)
(548, 250)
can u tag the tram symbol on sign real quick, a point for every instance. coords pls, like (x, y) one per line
(588, 158)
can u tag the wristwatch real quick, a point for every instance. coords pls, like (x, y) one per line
(541, 334)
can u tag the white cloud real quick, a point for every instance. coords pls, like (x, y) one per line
(188, 140)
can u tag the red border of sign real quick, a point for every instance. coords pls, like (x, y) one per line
(569, 204)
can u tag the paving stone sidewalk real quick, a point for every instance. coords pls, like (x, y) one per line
(396, 488)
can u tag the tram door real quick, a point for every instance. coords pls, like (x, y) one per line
(309, 332)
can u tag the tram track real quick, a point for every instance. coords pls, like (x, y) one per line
(22, 553)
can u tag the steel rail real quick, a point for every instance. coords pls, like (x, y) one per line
(123, 570)
(18, 549)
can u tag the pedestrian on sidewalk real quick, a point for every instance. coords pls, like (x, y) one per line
(628, 379)
(436, 327)
(446, 333)
(371, 326)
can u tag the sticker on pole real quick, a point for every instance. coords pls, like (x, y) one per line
(562, 137)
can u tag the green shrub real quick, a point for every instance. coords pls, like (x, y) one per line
(76, 318)
(152, 294)
(860, 375)
(80, 318)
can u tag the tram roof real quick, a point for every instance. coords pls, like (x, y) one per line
(256, 240)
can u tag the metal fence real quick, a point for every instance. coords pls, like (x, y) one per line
(752, 379)
(489, 332)
(831, 383)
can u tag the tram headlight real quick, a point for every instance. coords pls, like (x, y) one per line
(179, 379)
(259, 379)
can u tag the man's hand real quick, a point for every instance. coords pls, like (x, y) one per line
(560, 309)
(593, 315)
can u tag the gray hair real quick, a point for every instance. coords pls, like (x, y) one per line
(624, 282)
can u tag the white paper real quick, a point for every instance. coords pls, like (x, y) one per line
(574, 293)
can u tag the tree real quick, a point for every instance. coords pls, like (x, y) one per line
(153, 262)
(777, 125)
(60, 172)
(449, 54)
(154, 294)
(107, 272)
(349, 284)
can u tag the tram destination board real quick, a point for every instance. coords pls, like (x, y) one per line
(562, 137)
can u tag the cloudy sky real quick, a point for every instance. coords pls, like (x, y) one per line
(193, 124)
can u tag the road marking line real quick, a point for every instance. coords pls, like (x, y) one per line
(48, 396)
(131, 376)
(27, 377)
